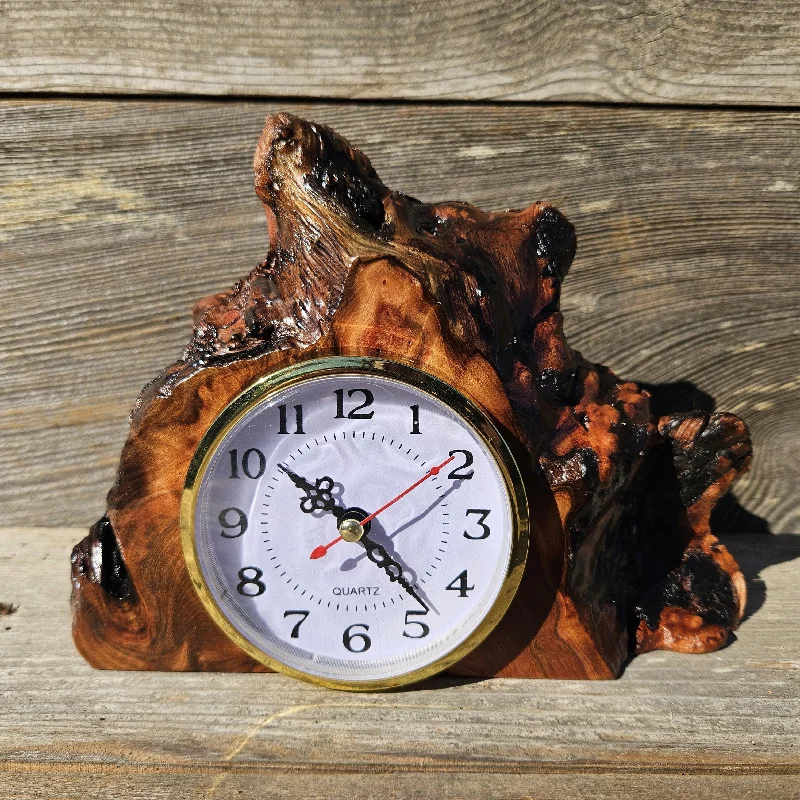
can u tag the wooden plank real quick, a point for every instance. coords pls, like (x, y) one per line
(651, 51)
(724, 724)
(116, 216)
(32, 785)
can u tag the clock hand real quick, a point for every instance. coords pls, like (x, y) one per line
(431, 472)
(355, 527)
(377, 554)
(319, 497)
(320, 551)
(408, 524)
(299, 481)
(318, 494)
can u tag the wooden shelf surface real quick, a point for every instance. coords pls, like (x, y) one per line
(720, 725)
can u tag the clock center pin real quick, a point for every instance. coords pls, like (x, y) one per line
(351, 530)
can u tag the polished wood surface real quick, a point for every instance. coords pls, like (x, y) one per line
(116, 214)
(622, 558)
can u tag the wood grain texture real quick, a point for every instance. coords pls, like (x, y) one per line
(723, 724)
(115, 216)
(653, 51)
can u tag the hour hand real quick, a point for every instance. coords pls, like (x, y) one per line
(318, 495)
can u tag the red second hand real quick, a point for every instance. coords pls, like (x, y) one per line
(319, 552)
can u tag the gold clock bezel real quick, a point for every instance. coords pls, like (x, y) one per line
(469, 411)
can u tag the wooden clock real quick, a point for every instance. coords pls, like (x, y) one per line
(378, 459)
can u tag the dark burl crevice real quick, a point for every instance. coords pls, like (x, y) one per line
(473, 297)
(97, 558)
(718, 442)
(114, 577)
(697, 585)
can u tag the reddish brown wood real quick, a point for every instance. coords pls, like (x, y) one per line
(622, 558)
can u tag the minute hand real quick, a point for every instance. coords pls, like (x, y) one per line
(378, 555)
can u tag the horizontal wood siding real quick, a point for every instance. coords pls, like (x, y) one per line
(118, 212)
(644, 51)
(116, 216)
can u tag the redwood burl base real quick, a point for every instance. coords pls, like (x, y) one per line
(622, 557)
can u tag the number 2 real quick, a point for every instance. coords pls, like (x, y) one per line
(458, 473)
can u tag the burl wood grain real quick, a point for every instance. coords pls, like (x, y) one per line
(622, 560)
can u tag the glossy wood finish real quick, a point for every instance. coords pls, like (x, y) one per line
(116, 214)
(622, 554)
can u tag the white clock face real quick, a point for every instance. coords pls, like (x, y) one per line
(433, 562)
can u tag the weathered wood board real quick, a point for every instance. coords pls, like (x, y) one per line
(116, 216)
(649, 51)
(721, 725)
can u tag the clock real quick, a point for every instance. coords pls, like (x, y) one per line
(355, 522)
(329, 479)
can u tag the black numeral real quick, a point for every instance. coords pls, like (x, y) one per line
(283, 425)
(355, 413)
(481, 513)
(303, 615)
(458, 473)
(459, 584)
(247, 463)
(415, 419)
(347, 638)
(234, 454)
(225, 521)
(254, 581)
(424, 630)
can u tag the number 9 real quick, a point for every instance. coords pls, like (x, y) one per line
(240, 523)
